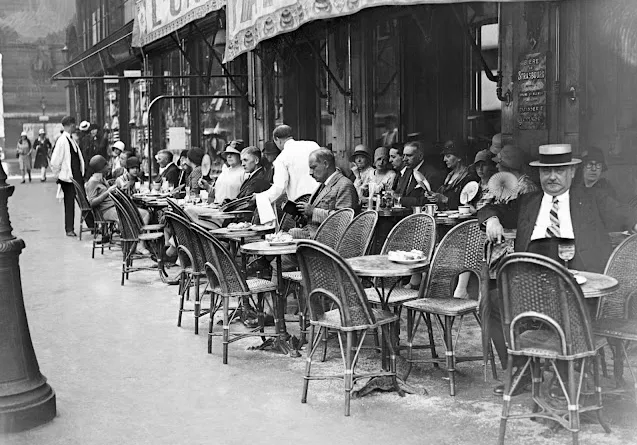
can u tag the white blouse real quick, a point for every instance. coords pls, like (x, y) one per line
(229, 183)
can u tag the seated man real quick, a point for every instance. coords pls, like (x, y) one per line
(544, 217)
(168, 170)
(256, 179)
(419, 178)
(335, 192)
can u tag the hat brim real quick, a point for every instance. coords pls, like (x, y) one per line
(359, 153)
(231, 152)
(573, 161)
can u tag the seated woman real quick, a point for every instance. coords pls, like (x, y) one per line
(511, 159)
(228, 184)
(194, 157)
(485, 168)
(589, 174)
(448, 195)
(362, 169)
(383, 176)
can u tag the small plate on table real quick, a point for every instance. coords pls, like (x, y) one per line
(260, 228)
(419, 260)
(241, 228)
(281, 243)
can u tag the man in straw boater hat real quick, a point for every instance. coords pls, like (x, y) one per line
(555, 212)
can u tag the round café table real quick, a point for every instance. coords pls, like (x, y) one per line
(597, 285)
(282, 341)
(379, 266)
(237, 238)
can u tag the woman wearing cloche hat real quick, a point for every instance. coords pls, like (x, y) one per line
(42, 148)
(590, 172)
(24, 155)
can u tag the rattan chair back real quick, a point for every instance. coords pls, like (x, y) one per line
(534, 287)
(80, 197)
(128, 227)
(358, 235)
(460, 250)
(622, 265)
(177, 209)
(417, 231)
(187, 239)
(326, 274)
(223, 269)
(130, 206)
(332, 229)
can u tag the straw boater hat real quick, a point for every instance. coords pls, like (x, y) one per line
(555, 155)
(84, 125)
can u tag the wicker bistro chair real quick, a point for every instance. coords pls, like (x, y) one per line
(459, 251)
(83, 204)
(126, 201)
(328, 276)
(192, 260)
(536, 288)
(617, 313)
(177, 209)
(329, 234)
(358, 235)
(417, 231)
(131, 235)
(226, 282)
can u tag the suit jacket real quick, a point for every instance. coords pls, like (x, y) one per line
(256, 183)
(171, 174)
(415, 196)
(593, 215)
(339, 193)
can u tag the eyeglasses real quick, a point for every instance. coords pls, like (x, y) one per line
(594, 165)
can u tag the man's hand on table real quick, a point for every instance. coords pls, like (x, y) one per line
(494, 230)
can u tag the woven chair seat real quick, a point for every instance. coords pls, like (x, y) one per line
(150, 236)
(153, 227)
(332, 320)
(398, 296)
(545, 343)
(256, 286)
(294, 275)
(453, 307)
(616, 328)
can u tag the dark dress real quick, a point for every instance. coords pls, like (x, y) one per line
(42, 150)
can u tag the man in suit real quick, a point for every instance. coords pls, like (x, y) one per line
(420, 177)
(556, 212)
(256, 177)
(335, 192)
(168, 170)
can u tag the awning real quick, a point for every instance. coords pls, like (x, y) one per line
(111, 51)
(158, 18)
(252, 21)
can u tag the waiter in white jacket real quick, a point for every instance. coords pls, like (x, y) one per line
(67, 163)
(291, 167)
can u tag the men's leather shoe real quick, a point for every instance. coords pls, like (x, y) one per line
(71, 233)
(523, 385)
(555, 392)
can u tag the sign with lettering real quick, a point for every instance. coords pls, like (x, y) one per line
(158, 18)
(531, 80)
(252, 21)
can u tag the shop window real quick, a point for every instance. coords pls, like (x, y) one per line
(386, 82)
(488, 40)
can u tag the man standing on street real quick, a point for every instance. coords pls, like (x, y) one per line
(291, 167)
(67, 163)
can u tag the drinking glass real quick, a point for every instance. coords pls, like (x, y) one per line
(397, 197)
(138, 186)
(187, 197)
(566, 250)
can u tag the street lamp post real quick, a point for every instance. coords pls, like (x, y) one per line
(26, 400)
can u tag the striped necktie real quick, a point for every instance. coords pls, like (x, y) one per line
(553, 230)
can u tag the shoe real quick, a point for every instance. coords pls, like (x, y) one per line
(523, 385)
(43, 180)
(71, 233)
(555, 390)
(142, 251)
(23, 181)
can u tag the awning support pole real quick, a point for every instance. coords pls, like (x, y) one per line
(329, 72)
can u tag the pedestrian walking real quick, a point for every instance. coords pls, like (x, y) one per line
(42, 148)
(24, 155)
(67, 163)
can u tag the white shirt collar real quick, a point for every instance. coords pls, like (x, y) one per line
(402, 172)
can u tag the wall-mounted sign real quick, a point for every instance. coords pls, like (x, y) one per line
(531, 80)
(158, 18)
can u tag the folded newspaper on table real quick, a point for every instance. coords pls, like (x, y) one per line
(264, 207)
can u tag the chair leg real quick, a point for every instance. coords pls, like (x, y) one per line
(226, 328)
(506, 400)
(197, 305)
(598, 393)
(211, 322)
(450, 354)
(572, 401)
(325, 335)
(314, 341)
(432, 342)
(410, 338)
(349, 375)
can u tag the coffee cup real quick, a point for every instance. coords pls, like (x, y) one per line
(430, 209)
(417, 209)
(464, 210)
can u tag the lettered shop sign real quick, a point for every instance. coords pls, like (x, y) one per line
(158, 18)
